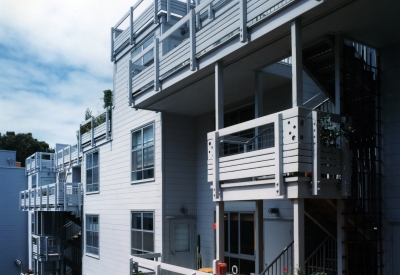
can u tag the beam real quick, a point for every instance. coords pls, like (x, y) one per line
(298, 218)
(219, 96)
(259, 243)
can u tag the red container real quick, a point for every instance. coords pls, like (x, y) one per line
(221, 269)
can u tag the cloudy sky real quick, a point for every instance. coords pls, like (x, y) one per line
(54, 63)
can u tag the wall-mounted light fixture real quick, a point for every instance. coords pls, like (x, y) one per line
(184, 210)
(273, 210)
(18, 262)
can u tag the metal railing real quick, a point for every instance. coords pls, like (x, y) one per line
(284, 261)
(39, 161)
(94, 128)
(324, 258)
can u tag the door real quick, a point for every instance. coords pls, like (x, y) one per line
(182, 243)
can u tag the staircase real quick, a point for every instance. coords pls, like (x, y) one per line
(360, 103)
(324, 258)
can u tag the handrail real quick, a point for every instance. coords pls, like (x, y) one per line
(277, 258)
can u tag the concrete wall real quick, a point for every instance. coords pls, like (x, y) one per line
(390, 88)
(13, 223)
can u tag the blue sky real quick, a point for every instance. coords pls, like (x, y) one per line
(54, 63)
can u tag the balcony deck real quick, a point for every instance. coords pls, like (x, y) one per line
(276, 156)
(59, 196)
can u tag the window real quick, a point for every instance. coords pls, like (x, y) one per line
(92, 172)
(148, 58)
(92, 234)
(142, 232)
(143, 153)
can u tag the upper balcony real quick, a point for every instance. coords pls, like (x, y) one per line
(58, 196)
(40, 161)
(95, 131)
(283, 155)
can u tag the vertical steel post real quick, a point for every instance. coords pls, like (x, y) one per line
(297, 63)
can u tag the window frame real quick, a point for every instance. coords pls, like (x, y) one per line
(141, 128)
(91, 254)
(92, 168)
(142, 250)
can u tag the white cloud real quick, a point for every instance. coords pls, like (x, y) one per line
(54, 63)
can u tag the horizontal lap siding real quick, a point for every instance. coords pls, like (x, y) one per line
(118, 196)
(175, 57)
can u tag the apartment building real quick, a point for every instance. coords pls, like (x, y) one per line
(260, 134)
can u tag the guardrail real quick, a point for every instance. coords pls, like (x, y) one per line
(293, 147)
(59, 196)
(95, 128)
(40, 161)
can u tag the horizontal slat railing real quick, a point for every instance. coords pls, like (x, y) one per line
(290, 148)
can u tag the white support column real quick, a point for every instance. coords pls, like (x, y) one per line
(192, 32)
(297, 63)
(219, 210)
(130, 68)
(112, 45)
(278, 131)
(156, 12)
(341, 250)
(316, 175)
(298, 232)
(219, 96)
(108, 110)
(131, 42)
(168, 10)
(338, 71)
(243, 20)
(91, 134)
(259, 244)
(156, 65)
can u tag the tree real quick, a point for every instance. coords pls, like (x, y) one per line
(24, 144)
(107, 98)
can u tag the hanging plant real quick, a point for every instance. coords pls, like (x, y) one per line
(330, 131)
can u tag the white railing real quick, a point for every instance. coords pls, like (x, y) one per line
(95, 128)
(67, 156)
(145, 266)
(282, 264)
(324, 258)
(40, 161)
(59, 196)
(45, 248)
(293, 148)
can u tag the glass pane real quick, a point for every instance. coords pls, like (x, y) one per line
(95, 175)
(247, 266)
(89, 161)
(234, 237)
(96, 239)
(89, 238)
(247, 234)
(148, 136)
(148, 157)
(136, 221)
(182, 237)
(137, 160)
(89, 177)
(95, 187)
(148, 241)
(136, 52)
(148, 174)
(96, 159)
(136, 140)
(137, 175)
(89, 188)
(148, 221)
(137, 239)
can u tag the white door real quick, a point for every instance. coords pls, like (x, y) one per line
(182, 243)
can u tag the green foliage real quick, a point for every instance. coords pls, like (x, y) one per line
(88, 114)
(107, 98)
(330, 131)
(24, 144)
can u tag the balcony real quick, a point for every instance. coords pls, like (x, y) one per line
(40, 162)
(277, 156)
(59, 196)
(96, 130)
(46, 248)
(67, 157)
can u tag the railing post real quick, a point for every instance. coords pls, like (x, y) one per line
(70, 157)
(168, 10)
(40, 162)
(130, 100)
(41, 198)
(192, 26)
(297, 63)
(80, 137)
(56, 195)
(92, 130)
(188, 6)
(316, 176)
(278, 155)
(62, 156)
(108, 123)
(48, 195)
(156, 65)
(210, 11)
(112, 45)
(131, 42)
(243, 20)
(156, 12)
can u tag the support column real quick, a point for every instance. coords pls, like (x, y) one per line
(259, 244)
(219, 96)
(338, 71)
(298, 232)
(341, 250)
(297, 63)
(258, 101)
(219, 211)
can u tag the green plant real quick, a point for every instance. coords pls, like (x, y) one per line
(330, 131)
(107, 98)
